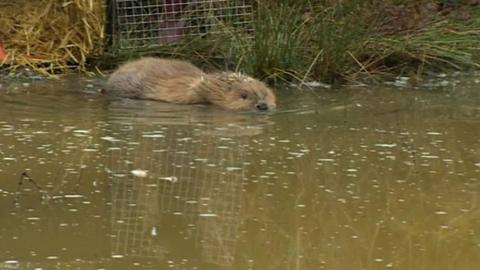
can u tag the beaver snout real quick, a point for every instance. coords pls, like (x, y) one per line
(262, 106)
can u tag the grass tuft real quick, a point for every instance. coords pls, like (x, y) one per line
(327, 40)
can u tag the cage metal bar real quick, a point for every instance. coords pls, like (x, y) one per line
(147, 23)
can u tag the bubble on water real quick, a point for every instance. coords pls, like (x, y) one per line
(117, 256)
(52, 258)
(231, 169)
(440, 212)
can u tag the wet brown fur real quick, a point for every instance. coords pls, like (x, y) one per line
(180, 82)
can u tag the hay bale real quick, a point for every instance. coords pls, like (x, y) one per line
(52, 36)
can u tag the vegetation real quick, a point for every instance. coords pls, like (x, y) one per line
(358, 40)
(328, 40)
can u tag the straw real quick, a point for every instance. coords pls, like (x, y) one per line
(51, 36)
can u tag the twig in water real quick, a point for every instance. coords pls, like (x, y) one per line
(302, 82)
(24, 176)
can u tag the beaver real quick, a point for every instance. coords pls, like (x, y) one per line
(181, 82)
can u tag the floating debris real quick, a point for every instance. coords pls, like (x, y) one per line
(429, 157)
(386, 145)
(326, 160)
(207, 215)
(153, 136)
(70, 196)
(296, 154)
(139, 173)
(172, 179)
(399, 82)
(110, 139)
(316, 84)
(153, 232)
(81, 131)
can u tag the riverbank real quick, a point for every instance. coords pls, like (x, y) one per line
(294, 41)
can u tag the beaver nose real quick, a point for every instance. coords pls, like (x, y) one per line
(262, 106)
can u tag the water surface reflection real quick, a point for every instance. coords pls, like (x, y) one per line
(363, 178)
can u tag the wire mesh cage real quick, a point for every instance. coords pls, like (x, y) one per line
(194, 185)
(151, 23)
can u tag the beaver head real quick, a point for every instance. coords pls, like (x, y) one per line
(235, 91)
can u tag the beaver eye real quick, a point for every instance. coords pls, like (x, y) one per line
(243, 96)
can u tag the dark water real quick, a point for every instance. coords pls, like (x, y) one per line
(362, 178)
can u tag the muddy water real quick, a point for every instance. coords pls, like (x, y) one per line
(362, 178)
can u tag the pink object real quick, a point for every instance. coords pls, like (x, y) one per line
(172, 29)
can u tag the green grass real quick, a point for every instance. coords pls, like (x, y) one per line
(335, 41)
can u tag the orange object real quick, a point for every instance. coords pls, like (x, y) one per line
(3, 53)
